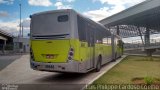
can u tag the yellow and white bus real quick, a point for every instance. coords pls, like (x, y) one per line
(66, 41)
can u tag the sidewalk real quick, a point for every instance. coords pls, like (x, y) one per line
(140, 55)
(6, 60)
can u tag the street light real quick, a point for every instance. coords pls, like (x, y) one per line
(20, 24)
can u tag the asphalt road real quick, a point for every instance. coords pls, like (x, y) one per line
(19, 73)
(5, 60)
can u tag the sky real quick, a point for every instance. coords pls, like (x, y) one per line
(93, 9)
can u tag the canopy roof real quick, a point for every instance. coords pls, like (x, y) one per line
(144, 15)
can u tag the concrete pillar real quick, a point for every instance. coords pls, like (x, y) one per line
(140, 33)
(118, 32)
(147, 41)
(147, 37)
(149, 52)
(4, 45)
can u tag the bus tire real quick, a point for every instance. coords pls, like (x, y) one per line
(98, 66)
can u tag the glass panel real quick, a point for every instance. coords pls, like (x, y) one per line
(63, 18)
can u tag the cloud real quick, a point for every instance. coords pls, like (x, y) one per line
(97, 14)
(12, 27)
(102, 13)
(26, 23)
(114, 6)
(120, 2)
(4, 14)
(6, 2)
(44, 3)
(69, 1)
(60, 5)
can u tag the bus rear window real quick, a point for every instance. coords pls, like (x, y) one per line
(63, 18)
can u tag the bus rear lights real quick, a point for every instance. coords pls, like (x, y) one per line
(71, 49)
(69, 58)
(71, 54)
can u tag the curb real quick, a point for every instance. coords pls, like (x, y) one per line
(111, 66)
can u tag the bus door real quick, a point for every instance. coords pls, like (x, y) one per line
(91, 45)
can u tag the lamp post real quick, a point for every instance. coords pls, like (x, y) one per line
(20, 24)
(20, 27)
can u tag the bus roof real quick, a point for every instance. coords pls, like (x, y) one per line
(70, 10)
(67, 10)
(53, 11)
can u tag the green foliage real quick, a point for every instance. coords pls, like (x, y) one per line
(149, 80)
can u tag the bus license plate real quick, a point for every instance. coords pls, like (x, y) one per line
(50, 56)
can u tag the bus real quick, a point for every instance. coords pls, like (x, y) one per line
(66, 41)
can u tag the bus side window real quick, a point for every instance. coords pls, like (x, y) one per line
(106, 38)
(109, 41)
(98, 36)
(105, 41)
(81, 29)
(120, 43)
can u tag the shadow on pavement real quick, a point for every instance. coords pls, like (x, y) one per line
(63, 77)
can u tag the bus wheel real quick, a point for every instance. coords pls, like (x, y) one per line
(98, 66)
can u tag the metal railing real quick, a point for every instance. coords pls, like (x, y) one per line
(6, 47)
(153, 44)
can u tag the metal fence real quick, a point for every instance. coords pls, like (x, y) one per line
(6, 47)
(154, 43)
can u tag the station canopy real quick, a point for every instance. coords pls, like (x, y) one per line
(135, 20)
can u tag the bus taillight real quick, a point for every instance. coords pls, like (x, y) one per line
(71, 54)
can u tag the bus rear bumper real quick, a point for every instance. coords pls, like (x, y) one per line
(71, 67)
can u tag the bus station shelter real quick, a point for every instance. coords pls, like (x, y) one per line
(140, 20)
(6, 41)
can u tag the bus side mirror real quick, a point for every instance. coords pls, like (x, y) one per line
(30, 16)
